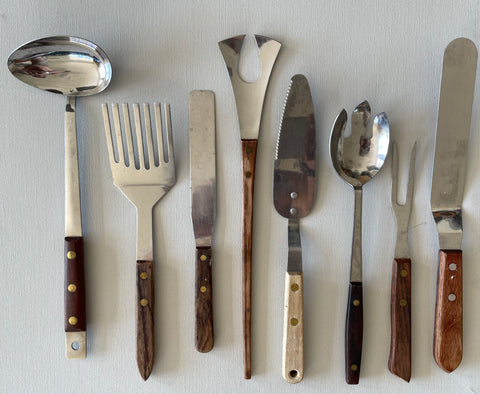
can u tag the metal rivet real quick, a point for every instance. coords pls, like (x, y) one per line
(295, 287)
(143, 275)
(75, 345)
(294, 321)
(203, 257)
(353, 367)
(452, 297)
(452, 267)
(72, 320)
(403, 302)
(72, 288)
(293, 211)
(203, 289)
(71, 255)
(403, 273)
(293, 195)
(143, 302)
(356, 302)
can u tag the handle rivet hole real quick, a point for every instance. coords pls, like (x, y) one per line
(295, 287)
(294, 321)
(143, 302)
(403, 273)
(293, 373)
(356, 302)
(452, 297)
(248, 174)
(71, 255)
(203, 289)
(203, 257)
(72, 288)
(452, 267)
(143, 275)
(354, 367)
(403, 302)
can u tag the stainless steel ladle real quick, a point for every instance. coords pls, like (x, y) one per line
(73, 67)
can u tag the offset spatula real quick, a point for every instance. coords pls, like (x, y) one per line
(203, 194)
(293, 196)
(249, 98)
(453, 129)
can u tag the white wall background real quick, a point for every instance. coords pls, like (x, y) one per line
(387, 52)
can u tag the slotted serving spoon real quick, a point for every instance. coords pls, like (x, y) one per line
(357, 159)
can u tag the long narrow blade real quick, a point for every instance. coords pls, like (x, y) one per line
(453, 129)
(202, 165)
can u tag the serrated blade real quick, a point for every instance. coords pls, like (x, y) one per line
(294, 174)
(202, 165)
(453, 129)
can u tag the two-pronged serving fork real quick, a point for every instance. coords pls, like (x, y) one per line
(399, 362)
(144, 178)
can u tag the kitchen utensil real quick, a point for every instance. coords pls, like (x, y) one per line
(357, 159)
(249, 98)
(203, 197)
(73, 67)
(399, 361)
(144, 178)
(453, 129)
(293, 196)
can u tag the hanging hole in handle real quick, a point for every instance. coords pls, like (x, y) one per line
(76, 346)
(293, 373)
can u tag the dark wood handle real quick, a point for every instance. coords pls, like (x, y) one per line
(354, 333)
(145, 303)
(447, 340)
(249, 153)
(75, 311)
(203, 300)
(399, 361)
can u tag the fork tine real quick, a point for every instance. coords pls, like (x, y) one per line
(168, 125)
(159, 127)
(395, 174)
(148, 135)
(411, 174)
(118, 133)
(108, 132)
(138, 132)
(128, 135)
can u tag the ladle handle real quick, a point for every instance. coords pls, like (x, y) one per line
(249, 153)
(447, 339)
(399, 361)
(354, 333)
(203, 300)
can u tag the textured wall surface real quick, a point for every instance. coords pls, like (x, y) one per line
(387, 52)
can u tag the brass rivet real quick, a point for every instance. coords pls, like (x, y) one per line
(295, 287)
(356, 302)
(143, 275)
(403, 302)
(72, 288)
(72, 320)
(403, 273)
(143, 302)
(294, 321)
(353, 367)
(248, 174)
(203, 257)
(203, 289)
(71, 255)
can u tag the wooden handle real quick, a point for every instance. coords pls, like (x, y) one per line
(447, 340)
(354, 333)
(75, 310)
(203, 300)
(399, 361)
(249, 153)
(293, 328)
(145, 327)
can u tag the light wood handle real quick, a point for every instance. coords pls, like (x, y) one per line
(145, 303)
(399, 361)
(447, 341)
(292, 366)
(249, 153)
(203, 300)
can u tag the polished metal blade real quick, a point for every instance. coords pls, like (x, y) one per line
(294, 174)
(453, 129)
(202, 165)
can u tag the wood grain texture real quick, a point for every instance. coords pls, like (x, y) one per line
(203, 300)
(448, 332)
(249, 153)
(354, 333)
(399, 361)
(75, 310)
(145, 304)
(292, 366)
